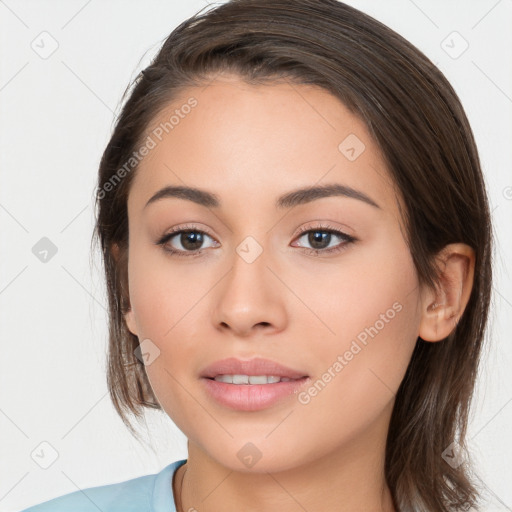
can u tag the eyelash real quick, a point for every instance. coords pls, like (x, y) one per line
(322, 229)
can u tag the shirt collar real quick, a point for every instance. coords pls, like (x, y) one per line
(162, 499)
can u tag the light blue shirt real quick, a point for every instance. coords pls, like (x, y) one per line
(148, 493)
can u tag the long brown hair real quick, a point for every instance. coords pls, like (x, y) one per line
(418, 122)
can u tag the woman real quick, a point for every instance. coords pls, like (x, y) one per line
(297, 246)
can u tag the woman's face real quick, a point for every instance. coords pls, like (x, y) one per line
(272, 280)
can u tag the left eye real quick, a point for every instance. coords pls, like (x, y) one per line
(320, 240)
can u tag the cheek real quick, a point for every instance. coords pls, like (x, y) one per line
(160, 294)
(374, 322)
(169, 312)
(369, 294)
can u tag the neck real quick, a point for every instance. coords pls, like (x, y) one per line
(348, 479)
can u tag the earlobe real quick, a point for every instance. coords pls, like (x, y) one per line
(442, 310)
(114, 250)
(129, 318)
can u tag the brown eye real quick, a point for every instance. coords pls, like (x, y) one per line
(324, 241)
(319, 239)
(184, 242)
(191, 240)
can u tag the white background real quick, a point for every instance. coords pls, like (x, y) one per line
(56, 117)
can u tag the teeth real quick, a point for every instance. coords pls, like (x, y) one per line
(251, 379)
(240, 379)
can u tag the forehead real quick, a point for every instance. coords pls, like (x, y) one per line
(246, 141)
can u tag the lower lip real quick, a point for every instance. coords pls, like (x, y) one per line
(252, 397)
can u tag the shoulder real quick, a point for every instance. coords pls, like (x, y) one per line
(146, 493)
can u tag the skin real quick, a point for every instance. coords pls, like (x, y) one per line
(249, 144)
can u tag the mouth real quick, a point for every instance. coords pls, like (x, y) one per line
(238, 379)
(251, 385)
(260, 370)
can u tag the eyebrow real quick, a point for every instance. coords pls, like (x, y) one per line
(288, 200)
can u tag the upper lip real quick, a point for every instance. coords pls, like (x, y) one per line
(256, 366)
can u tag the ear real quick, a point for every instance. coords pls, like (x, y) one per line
(442, 309)
(129, 316)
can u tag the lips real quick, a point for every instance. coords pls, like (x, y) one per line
(256, 366)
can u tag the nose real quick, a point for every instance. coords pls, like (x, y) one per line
(250, 298)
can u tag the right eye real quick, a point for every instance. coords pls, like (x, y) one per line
(184, 242)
